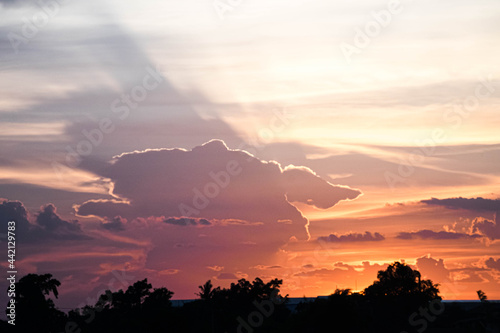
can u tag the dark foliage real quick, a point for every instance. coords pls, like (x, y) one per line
(398, 301)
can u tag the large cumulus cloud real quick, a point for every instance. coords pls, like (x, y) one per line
(213, 182)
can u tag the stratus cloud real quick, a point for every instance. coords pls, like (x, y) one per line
(430, 234)
(353, 237)
(477, 204)
(213, 182)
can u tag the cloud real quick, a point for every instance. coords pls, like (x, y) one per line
(477, 204)
(437, 235)
(490, 229)
(168, 271)
(265, 267)
(185, 221)
(117, 223)
(216, 268)
(48, 219)
(46, 223)
(493, 264)
(476, 228)
(344, 275)
(227, 276)
(213, 182)
(353, 237)
(434, 269)
(14, 211)
(303, 185)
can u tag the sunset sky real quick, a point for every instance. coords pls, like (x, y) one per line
(311, 141)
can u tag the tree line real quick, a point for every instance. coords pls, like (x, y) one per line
(398, 301)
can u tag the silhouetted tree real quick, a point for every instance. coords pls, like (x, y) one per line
(398, 301)
(137, 309)
(401, 280)
(207, 291)
(218, 309)
(482, 296)
(35, 312)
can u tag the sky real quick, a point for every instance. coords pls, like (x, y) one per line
(311, 141)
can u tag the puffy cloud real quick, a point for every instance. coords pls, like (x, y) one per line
(434, 269)
(47, 223)
(216, 268)
(14, 211)
(478, 227)
(493, 264)
(48, 219)
(490, 229)
(117, 223)
(353, 237)
(438, 235)
(213, 182)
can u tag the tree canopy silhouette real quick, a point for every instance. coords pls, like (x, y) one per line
(401, 280)
(140, 308)
(35, 311)
(399, 300)
(206, 291)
